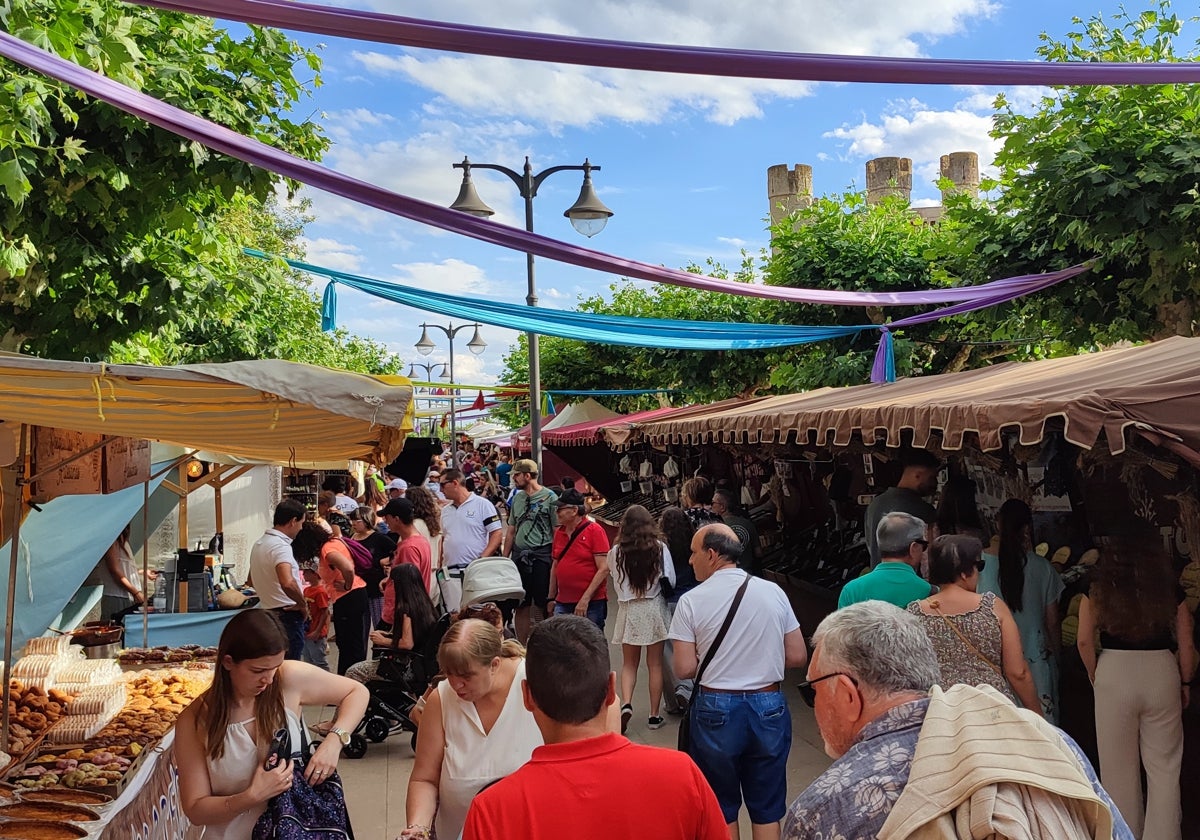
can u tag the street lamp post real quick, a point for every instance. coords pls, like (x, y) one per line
(476, 345)
(588, 215)
(429, 369)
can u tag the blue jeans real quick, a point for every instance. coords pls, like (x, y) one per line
(597, 611)
(294, 623)
(741, 743)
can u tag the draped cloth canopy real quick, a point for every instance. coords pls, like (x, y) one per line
(265, 411)
(1153, 389)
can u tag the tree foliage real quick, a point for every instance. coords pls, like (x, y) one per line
(1104, 173)
(113, 232)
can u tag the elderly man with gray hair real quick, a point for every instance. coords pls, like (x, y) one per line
(913, 761)
(902, 540)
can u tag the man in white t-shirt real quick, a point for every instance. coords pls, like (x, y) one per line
(746, 757)
(471, 527)
(275, 574)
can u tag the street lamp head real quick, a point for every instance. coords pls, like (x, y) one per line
(468, 200)
(588, 214)
(425, 345)
(476, 345)
(411, 372)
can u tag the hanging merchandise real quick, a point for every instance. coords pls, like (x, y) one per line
(671, 468)
(626, 465)
(747, 496)
(646, 470)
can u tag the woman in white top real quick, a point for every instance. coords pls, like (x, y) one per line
(475, 728)
(221, 740)
(119, 575)
(640, 560)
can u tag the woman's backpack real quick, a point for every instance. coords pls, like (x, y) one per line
(360, 554)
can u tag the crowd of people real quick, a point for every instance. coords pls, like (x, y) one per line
(934, 684)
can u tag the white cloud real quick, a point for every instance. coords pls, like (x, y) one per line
(450, 276)
(733, 240)
(563, 95)
(329, 253)
(913, 130)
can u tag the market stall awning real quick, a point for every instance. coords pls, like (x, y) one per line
(624, 430)
(581, 434)
(267, 410)
(1154, 388)
(584, 411)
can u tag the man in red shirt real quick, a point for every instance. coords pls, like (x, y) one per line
(579, 562)
(413, 547)
(587, 782)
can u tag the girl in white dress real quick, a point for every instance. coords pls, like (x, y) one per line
(221, 740)
(640, 560)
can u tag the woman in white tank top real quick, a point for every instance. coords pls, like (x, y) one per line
(475, 728)
(221, 740)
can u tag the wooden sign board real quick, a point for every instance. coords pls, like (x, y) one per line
(122, 463)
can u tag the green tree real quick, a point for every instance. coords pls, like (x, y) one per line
(112, 230)
(1104, 173)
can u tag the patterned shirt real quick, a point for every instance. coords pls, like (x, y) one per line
(853, 798)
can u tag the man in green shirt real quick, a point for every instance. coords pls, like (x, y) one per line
(902, 540)
(531, 523)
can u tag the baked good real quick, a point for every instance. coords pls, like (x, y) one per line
(67, 796)
(47, 811)
(29, 830)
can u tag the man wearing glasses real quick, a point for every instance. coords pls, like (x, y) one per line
(741, 730)
(471, 526)
(897, 579)
(913, 760)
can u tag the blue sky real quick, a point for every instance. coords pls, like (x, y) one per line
(683, 158)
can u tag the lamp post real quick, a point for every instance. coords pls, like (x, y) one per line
(588, 215)
(428, 368)
(476, 345)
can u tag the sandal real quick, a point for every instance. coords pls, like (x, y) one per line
(626, 716)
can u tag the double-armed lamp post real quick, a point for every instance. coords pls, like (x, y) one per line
(588, 215)
(476, 345)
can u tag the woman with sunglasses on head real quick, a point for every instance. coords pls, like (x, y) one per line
(381, 546)
(410, 615)
(974, 636)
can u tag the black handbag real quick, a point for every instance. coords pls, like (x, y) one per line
(685, 723)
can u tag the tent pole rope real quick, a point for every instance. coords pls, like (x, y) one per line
(11, 606)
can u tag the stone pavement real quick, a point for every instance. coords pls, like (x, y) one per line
(377, 783)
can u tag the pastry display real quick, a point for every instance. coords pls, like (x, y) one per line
(66, 796)
(77, 729)
(84, 673)
(167, 655)
(31, 711)
(48, 646)
(105, 701)
(76, 768)
(47, 811)
(30, 830)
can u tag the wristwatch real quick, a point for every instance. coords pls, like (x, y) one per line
(342, 735)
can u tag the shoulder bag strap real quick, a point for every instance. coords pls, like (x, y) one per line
(733, 608)
(574, 535)
(937, 607)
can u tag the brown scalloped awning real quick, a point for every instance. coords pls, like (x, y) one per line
(1154, 388)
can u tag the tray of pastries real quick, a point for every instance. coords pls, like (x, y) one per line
(97, 770)
(40, 830)
(67, 796)
(32, 711)
(48, 811)
(163, 655)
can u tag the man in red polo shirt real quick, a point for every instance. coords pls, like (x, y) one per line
(587, 782)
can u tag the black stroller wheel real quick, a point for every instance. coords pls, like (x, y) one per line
(377, 730)
(357, 747)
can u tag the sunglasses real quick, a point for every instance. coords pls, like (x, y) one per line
(447, 482)
(486, 606)
(809, 694)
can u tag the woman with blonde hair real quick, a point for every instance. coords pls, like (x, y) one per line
(475, 728)
(221, 740)
(1147, 659)
(640, 560)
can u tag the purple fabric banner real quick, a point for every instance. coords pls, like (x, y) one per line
(252, 151)
(668, 58)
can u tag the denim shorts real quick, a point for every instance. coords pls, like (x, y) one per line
(597, 611)
(741, 744)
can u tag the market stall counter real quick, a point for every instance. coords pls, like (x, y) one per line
(92, 746)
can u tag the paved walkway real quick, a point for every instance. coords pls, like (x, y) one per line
(376, 784)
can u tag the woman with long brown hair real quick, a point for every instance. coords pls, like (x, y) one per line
(640, 560)
(348, 591)
(221, 739)
(1136, 610)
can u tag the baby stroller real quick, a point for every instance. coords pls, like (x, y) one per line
(402, 678)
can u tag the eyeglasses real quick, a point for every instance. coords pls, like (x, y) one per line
(810, 694)
(446, 482)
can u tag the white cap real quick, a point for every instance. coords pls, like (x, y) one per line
(397, 484)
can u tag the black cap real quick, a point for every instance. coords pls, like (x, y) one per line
(571, 498)
(400, 508)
